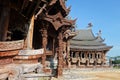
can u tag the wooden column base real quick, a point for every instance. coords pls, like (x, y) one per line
(43, 62)
(60, 72)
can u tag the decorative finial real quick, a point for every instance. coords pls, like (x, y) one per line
(99, 33)
(69, 8)
(89, 25)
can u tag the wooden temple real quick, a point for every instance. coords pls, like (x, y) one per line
(38, 32)
(30, 25)
(88, 50)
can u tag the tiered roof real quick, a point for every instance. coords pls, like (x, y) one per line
(86, 40)
(58, 20)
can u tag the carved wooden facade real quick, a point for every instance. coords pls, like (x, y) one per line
(36, 24)
(49, 26)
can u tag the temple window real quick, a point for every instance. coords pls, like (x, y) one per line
(88, 56)
(70, 54)
(50, 43)
(98, 56)
(91, 56)
(79, 54)
(74, 55)
(83, 56)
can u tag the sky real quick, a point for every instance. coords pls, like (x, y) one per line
(104, 15)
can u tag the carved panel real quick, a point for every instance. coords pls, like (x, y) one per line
(74, 60)
(83, 60)
(11, 45)
(6, 61)
(98, 60)
(8, 53)
(91, 61)
(31, 52)
(30, 61)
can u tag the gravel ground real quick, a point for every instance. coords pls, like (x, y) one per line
(91, 74)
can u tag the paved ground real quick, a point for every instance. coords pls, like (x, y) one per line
(91, 74)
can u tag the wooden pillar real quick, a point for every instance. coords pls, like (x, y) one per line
(29, 39)
(68, 53)
(53, 47)
(4, 19)
(78, 58)
(79, 62)
(64, 49)
(96, 56)
(77, 54)
(102, 64)
(103, 57)
(44, 44)
(87, 62)
(60, 56)
(68, 49)
(95, 62)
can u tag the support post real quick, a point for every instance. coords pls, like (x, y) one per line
(104, 57)
(87, 62)
(53, 47)
(68, 49)
(60, 56)
(44, 44)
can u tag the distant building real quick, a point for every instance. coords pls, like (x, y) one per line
(88, 50)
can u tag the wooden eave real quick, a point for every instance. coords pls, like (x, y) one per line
(26, 7)
(62, 4)
(68, 34)
(72, 34)
(83, 49)
(58, 21)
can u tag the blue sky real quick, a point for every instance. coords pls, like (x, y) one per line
(103, 14)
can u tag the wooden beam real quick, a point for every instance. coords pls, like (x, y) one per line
(40, 10)
(36, 7)
(25, 2)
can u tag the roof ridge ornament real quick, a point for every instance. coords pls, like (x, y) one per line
(99, 33)
(89, 25)
(68, 9)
